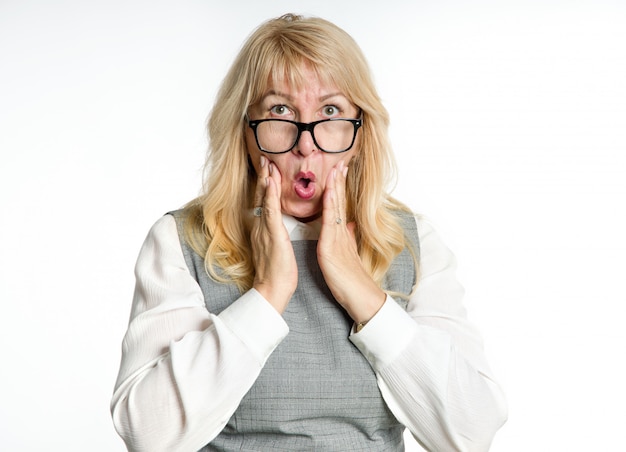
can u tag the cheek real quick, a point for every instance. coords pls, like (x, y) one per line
(282, 164)
(346, 157)
(253, 150)
(351, 157)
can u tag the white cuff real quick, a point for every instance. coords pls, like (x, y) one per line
(386, 335)
(256, 323)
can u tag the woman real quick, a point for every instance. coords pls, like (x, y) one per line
(295, 305)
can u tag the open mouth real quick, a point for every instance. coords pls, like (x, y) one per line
(305, 185)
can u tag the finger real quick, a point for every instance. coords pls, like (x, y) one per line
(340, 188)
(328, 200)
(271, 200)
(261, 184)
(334, 207)
(352, 229)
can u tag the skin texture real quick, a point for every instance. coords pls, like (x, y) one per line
(279, 190)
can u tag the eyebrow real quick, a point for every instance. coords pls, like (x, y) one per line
(289, 97)
(272, 92)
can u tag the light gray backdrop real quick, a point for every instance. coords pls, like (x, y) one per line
(509, 126)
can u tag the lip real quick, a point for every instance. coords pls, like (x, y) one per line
(306, 175)
(304, 184)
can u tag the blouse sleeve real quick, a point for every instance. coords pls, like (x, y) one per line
(184, 370)
(429, 359)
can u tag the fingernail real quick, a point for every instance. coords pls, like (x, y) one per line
(334, 173)
(345, 171)
(271, 168)
(263, 161)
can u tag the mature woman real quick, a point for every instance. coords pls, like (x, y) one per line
(295, 305)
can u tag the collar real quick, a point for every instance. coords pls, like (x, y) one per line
(302, 231)
(298, 230)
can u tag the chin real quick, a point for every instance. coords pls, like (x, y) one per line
(302, 213)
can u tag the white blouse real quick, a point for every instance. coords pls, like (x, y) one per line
(185, 370)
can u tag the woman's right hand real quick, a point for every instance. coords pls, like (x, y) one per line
(276, 271)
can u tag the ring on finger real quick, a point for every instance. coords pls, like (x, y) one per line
(257, 211)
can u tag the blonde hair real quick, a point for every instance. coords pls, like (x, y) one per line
(278, 51)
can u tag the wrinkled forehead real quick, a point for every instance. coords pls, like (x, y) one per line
(296, 76)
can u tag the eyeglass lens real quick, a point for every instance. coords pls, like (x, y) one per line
(281, 136)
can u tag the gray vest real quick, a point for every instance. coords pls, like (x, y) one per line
(316, 392)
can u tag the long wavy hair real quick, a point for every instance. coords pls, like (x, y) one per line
(279, 50)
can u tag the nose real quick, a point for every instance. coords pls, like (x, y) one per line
(305, 145)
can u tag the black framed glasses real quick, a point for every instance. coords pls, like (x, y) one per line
(277, 136)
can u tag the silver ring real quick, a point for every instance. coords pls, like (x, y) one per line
(257, 211)
(338, 220)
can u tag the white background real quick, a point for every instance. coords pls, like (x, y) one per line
(509, 125)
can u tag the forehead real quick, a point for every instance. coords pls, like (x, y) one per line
(314, 91)
(299, 80)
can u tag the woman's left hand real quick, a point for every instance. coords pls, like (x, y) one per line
(338, 256)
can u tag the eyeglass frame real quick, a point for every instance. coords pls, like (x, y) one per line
(305, 127)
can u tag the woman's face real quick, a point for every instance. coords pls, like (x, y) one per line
(305, 169)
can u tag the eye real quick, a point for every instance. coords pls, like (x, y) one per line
(330, 110)
(279, 110)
